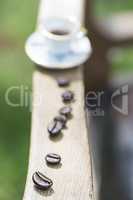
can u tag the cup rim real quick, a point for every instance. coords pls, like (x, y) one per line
(44, 32)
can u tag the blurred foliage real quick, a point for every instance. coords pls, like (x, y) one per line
(17, 21)
(122, 59)
(109, 7)
(17, 18)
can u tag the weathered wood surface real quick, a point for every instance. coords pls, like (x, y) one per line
(73, 180)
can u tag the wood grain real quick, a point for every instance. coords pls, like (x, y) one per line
(73, 179)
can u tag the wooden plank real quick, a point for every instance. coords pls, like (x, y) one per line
(73, 180)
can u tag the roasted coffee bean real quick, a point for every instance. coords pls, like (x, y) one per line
(67, 96)
(66, 111)
(63, 82)
(62, 119)
(55, 127)
(53, 159)
(41, 181)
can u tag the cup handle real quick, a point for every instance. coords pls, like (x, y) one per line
(82, 33)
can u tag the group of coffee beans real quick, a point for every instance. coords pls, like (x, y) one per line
(54, 128)
(40, 180)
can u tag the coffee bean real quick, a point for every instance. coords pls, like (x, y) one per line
(62, 119)
(66, 111)
(53, 159)
(41, 181)
(67, 96)
(63, 82)
(55, 127)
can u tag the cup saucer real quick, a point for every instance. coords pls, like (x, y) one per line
(37, 51)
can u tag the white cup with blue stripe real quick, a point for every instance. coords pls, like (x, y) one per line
(60, 33)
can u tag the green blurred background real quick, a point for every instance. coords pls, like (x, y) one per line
(17, 21)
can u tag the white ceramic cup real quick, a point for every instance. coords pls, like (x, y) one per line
(60, 43)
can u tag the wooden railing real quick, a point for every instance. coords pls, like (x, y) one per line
(73, 181)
